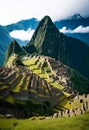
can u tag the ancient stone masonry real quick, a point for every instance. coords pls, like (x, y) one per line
(76, 111)
(60, 72)
(22, 84)
(41, 87)
(9, 78)
(44, 82)
(3, 73)
(33, 82)
(4, 92)
(15, 82)
(22, 95)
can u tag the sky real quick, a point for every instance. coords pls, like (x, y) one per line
(12, 11)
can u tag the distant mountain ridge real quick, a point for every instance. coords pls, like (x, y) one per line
(72, 23)
(23, 25)
(76, 16)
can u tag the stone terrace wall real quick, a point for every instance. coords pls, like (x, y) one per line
(83, 99)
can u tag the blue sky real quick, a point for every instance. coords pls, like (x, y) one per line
(14, 10)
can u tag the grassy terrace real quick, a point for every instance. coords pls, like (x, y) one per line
(3, 87)
(80, 122)
(26, 84)
(9, 62)
(13, 79)
(66, 103)
(35, 65)
(9, 99)
(18, 86)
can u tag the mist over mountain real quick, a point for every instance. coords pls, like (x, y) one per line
(70, 23)
(73, 22)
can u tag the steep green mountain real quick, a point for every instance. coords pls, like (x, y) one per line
(5, 39)
(47, 40)
(14, 48)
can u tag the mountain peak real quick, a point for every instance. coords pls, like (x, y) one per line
(46, 38)
(46, 21)
(14, 48)
(47, 18)
(76, 16)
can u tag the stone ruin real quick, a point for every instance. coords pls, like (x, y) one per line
(39, 89)
(75, 111)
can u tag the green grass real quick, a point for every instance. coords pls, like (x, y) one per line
(80, 122)
(66, 103)
(56, 85)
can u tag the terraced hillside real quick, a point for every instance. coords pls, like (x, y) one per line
(41, 86)
(57, 74)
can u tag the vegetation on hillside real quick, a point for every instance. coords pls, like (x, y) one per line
(79, 82)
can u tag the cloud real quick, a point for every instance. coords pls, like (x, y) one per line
(79, 29)
(14, 10)
(26, 35)
(22, 35)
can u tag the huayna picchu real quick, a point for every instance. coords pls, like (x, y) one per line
(47, 40)
(37, 79)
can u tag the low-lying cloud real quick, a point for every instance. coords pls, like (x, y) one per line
(22, 35)
(79, 29)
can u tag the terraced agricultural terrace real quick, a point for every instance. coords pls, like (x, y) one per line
(41, 86)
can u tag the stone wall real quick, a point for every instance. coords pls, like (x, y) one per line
(84, 99)
(15, 82)
(9, 78)
(4, 92)
(22, 95)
